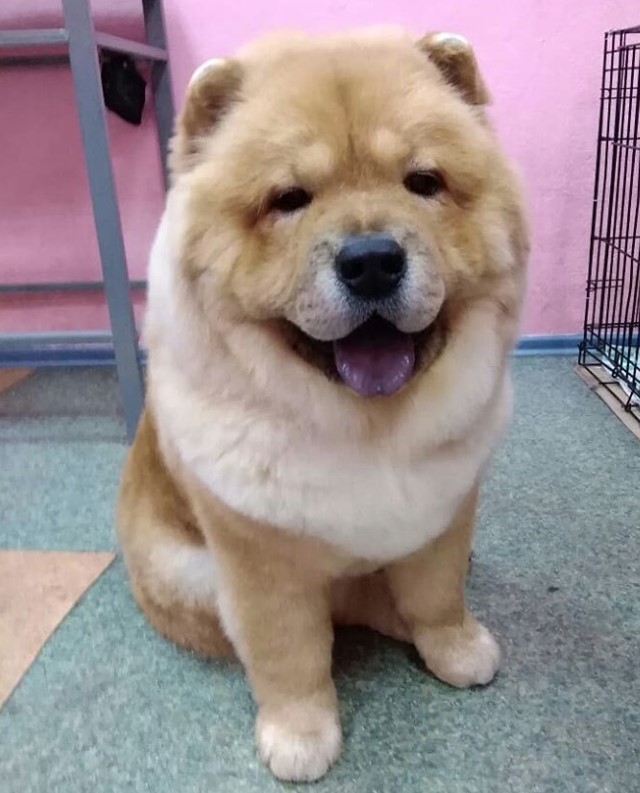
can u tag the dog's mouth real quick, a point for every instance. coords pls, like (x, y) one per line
(375, 359)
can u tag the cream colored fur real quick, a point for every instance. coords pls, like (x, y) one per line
(252, 449)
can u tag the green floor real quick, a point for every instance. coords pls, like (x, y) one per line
(110, 707)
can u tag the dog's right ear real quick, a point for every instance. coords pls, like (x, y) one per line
(454, 57)
(212, 90)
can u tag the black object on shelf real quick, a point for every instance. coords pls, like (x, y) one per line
(123, 87)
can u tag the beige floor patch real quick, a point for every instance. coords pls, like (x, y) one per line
(37, 590)
(12, 377)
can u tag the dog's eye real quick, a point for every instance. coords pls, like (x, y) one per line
(424, 183)
(290, 200)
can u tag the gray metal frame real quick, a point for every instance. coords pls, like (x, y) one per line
(82, 44)
(156, 32)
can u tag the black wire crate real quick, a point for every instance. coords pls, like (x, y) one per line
(610, 347)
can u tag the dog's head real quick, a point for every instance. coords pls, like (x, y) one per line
(348, 194)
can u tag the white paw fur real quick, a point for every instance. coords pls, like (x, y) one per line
(463, 657)
(299, 743)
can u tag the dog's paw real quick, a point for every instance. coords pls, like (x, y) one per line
(462, 656)
(299, 743)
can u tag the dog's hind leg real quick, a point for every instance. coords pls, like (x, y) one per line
(172, 571)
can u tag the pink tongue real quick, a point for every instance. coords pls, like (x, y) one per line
(376, 359)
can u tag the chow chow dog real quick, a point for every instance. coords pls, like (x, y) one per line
(334, 293)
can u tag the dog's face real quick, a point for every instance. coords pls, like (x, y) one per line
(345, 193)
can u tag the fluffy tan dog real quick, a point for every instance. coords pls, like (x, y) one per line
(334, 292)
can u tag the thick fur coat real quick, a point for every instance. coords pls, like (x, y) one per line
(266, 497)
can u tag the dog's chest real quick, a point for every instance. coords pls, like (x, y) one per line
(373, 502)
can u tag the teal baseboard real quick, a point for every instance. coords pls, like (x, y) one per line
(549, 345)
(32, 351)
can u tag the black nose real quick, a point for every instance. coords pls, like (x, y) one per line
(371, 265)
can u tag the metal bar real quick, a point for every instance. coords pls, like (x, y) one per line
(35, 60)
(85, 68)
(45, 37)
(608, 192)
(619, 260)
(596, 214)
(622, 237)
(161, 85)
(630, 263)
(32, 39)
(632, 308)
(65, 337)
(635, 29)
(137, 49)
(623, 145)
(62, 286)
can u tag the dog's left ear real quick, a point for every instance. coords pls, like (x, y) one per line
(213, 89)
(454, 57)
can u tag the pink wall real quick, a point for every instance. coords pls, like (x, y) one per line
(541, 58)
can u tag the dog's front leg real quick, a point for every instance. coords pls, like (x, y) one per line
(429, 590)
(278, 616)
